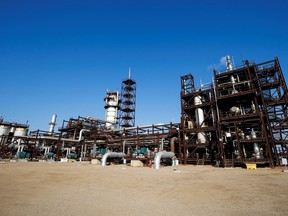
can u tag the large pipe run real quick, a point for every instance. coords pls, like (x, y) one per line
(162, 154)
(111, 155)
(66, 140)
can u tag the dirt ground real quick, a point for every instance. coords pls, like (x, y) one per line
(40, 189)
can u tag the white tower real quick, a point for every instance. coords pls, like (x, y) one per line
(52, 123)
(111, 106)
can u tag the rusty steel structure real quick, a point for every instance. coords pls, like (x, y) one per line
(10, 133)
(240, 117)
(86, 138)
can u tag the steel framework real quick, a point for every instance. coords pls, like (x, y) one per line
(127, 103)
(243, 116)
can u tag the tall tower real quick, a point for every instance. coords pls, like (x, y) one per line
(111, 106)
(127, 103)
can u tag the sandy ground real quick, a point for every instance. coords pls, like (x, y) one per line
(83, 189)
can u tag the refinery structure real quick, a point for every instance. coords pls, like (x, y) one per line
(240, 117)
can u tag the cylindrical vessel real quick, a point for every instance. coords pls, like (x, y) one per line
(201, 137)
(20, 132)
(199, 113)
(111, 107)
(4, 131)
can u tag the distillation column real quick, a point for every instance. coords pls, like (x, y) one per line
(112, 105)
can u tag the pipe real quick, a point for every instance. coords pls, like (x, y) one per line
(67, 140)
(68, 151)
(111, 155)
(139, 127)
(81, 154)
(124, 144)
(172, 144)
(199, 113)
(162, 154)
(162, 144)
(90, 118)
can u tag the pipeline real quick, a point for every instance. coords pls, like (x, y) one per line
(111, 155)
(162, 154)
(172, 144)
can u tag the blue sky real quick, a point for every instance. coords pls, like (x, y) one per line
(62, 56)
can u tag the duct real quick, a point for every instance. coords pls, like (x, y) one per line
(111, 155)
(162, 154)
(172, 144)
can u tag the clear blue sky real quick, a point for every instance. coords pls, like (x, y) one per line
(62, 56)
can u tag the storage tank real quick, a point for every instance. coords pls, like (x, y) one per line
(4, 131)
(19, 131)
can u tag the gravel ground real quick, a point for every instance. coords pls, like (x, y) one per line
(40, 189)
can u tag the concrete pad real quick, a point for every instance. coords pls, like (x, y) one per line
(95, 162)
(136, 163)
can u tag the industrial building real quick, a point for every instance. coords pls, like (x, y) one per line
(241, 117)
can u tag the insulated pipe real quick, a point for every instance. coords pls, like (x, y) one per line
(172, 144)
(111, 155)
(162, 144)
(124, 144)
(162, 154)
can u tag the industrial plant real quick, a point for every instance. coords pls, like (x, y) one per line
(240, 118)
